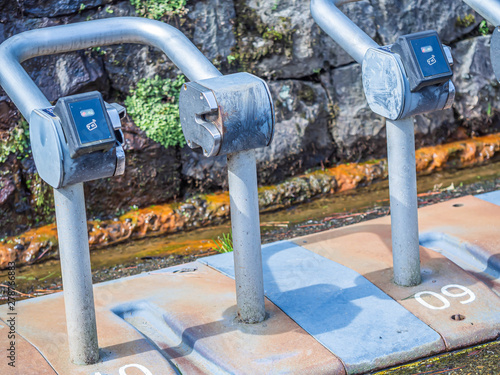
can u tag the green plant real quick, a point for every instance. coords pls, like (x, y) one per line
(18, 142)
(466, 21)
(42, 198)
(154, 107)
(157, 9)
(224, 244)
(483, 28)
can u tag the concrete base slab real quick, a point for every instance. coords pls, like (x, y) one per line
(337, 285)
(340, 308)
(463, 310)
(178, 319)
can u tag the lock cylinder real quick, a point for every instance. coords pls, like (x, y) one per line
(226, 114)
(411, 77)
(78, 140)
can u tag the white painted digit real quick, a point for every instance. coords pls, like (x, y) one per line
(446, 303)
(466, 291)
(140, 367)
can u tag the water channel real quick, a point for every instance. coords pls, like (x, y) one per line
(128, 258)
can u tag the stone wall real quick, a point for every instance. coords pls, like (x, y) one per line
(322, 117)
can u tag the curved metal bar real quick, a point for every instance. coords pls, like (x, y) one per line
(489, 9)
(340, 28)
(58, 39)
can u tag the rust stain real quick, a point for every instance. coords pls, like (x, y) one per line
(210, 209)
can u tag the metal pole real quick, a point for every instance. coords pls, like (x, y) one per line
(340, 28)
(489, 9)
(76, 274)
(245, 224)
(403, 194)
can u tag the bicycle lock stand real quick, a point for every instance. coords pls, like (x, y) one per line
(78, 140)
(410, 77)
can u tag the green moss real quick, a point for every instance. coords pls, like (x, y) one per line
(154, 107)
(251, 30)
(42, 198)
(306, 94)
(17, 142)
(158, 9)
(466, 21)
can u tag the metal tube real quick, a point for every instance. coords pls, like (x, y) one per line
(76, 274)
(69, 201)
(51, 40)
(341, 29)
(245, 224)
(403, 195)
(489, 9)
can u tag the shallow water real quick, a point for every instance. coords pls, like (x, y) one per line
(200, 241)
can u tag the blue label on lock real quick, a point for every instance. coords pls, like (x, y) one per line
(430, 56)
(90, 121)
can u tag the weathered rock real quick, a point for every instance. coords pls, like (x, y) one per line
(213, 29)
(478, 91)
(67, 74)
(203, 173)
(451, 19)
(286, 42)
(301, 139)
(56, 8)
(355, 129)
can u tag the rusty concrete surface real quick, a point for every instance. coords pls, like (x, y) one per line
(184, 318)
(472, 226)
(366, 248)
(27, 360)
(187, 319)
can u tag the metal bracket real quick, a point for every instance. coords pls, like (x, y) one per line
(227, 114)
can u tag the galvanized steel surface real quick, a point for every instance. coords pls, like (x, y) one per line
(403, 196)
(245, 225)
(227, 114)
(384, 83)
(341, 29)
(58, 39)
(495, 52)
(76, 274)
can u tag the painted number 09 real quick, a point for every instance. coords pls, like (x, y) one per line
(445, 290)
(122, 369)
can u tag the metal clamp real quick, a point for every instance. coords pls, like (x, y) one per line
(227, 114)
(52, 157)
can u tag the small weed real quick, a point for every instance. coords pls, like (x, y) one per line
(483, 28)
(158, 9)
(17, 143)
(224, 244)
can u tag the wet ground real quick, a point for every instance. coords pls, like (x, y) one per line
(318, 215)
